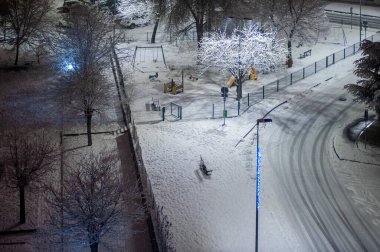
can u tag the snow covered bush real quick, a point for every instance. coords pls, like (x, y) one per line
(250, 46)
(133, 9)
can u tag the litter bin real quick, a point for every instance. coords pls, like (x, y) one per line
(147, 106)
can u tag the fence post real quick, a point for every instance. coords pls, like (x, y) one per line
(239, 107)
(278, 84)
(315, 67)
(171, 108)
(147, 36)
(327, 61)
(303, 73)
(263, 92)
(344, 53)
(163, 113)
(213, 111)
(248, 99)
(354, 48)
(291, 78)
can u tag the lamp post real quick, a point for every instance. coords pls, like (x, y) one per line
(360, 21)
(365, 25)
(351, 16)
(258, 159)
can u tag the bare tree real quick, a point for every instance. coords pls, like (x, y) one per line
(28, 157)
(22, 21)
(89, 93)
(367, 89)
(85, 40)
(184, 15)
(91, 203)
(83, 48)
(296, 20)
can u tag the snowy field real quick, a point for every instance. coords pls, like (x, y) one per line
(311, 200)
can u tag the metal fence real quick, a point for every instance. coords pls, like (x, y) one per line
(176, 110)
(309, 70)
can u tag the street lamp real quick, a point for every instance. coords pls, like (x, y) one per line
(258, 159)
(360, 21)
(365, 25)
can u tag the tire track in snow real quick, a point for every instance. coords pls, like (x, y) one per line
(331, 229)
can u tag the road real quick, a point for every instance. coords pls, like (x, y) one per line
(341, 17)
(309, 176)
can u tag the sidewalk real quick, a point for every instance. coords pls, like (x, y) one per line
(140, 241)
(366, 10)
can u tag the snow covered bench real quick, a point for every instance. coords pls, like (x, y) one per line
(203, 168)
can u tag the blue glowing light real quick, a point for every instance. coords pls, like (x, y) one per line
(69, 67)
(258, 160)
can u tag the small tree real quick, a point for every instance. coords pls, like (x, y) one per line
(92, 201)
(28, 158)
(296, 20)
(246, 47)
(89, 93)
(23, 20)
(367, 89)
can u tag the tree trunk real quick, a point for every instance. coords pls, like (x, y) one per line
(17, 53)
(239, 88)
(199, 27)
(153, 39)
(289, 59)
(88, 119)
(22, 204)
(289, 49)
(94, 247)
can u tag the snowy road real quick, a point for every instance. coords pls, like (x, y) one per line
(308, 175)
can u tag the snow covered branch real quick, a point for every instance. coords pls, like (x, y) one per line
(246, 47)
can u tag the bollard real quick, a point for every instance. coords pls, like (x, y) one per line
(213, 111)
(278, 85)
(248, 99)
(239, 107)
(163, 113)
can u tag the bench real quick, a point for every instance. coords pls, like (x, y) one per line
(29, 62)
(203, 168)
(155, 105)
(305, 54)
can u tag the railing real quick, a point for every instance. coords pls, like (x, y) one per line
(311, 69)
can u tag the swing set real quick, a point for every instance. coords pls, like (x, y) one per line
(141, 51)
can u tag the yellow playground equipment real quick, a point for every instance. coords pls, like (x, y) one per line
(231, 82)
(173, 88)
(252, 75)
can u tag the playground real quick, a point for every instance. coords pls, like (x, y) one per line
(167, 72)
(197, 165)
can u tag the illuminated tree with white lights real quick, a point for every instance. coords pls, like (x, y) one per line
(237, 53)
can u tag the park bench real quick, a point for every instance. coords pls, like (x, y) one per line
(203, 168)
(155, 105)
(305, 54)
(29, 62)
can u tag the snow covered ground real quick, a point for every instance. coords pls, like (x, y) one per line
(302, 208)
